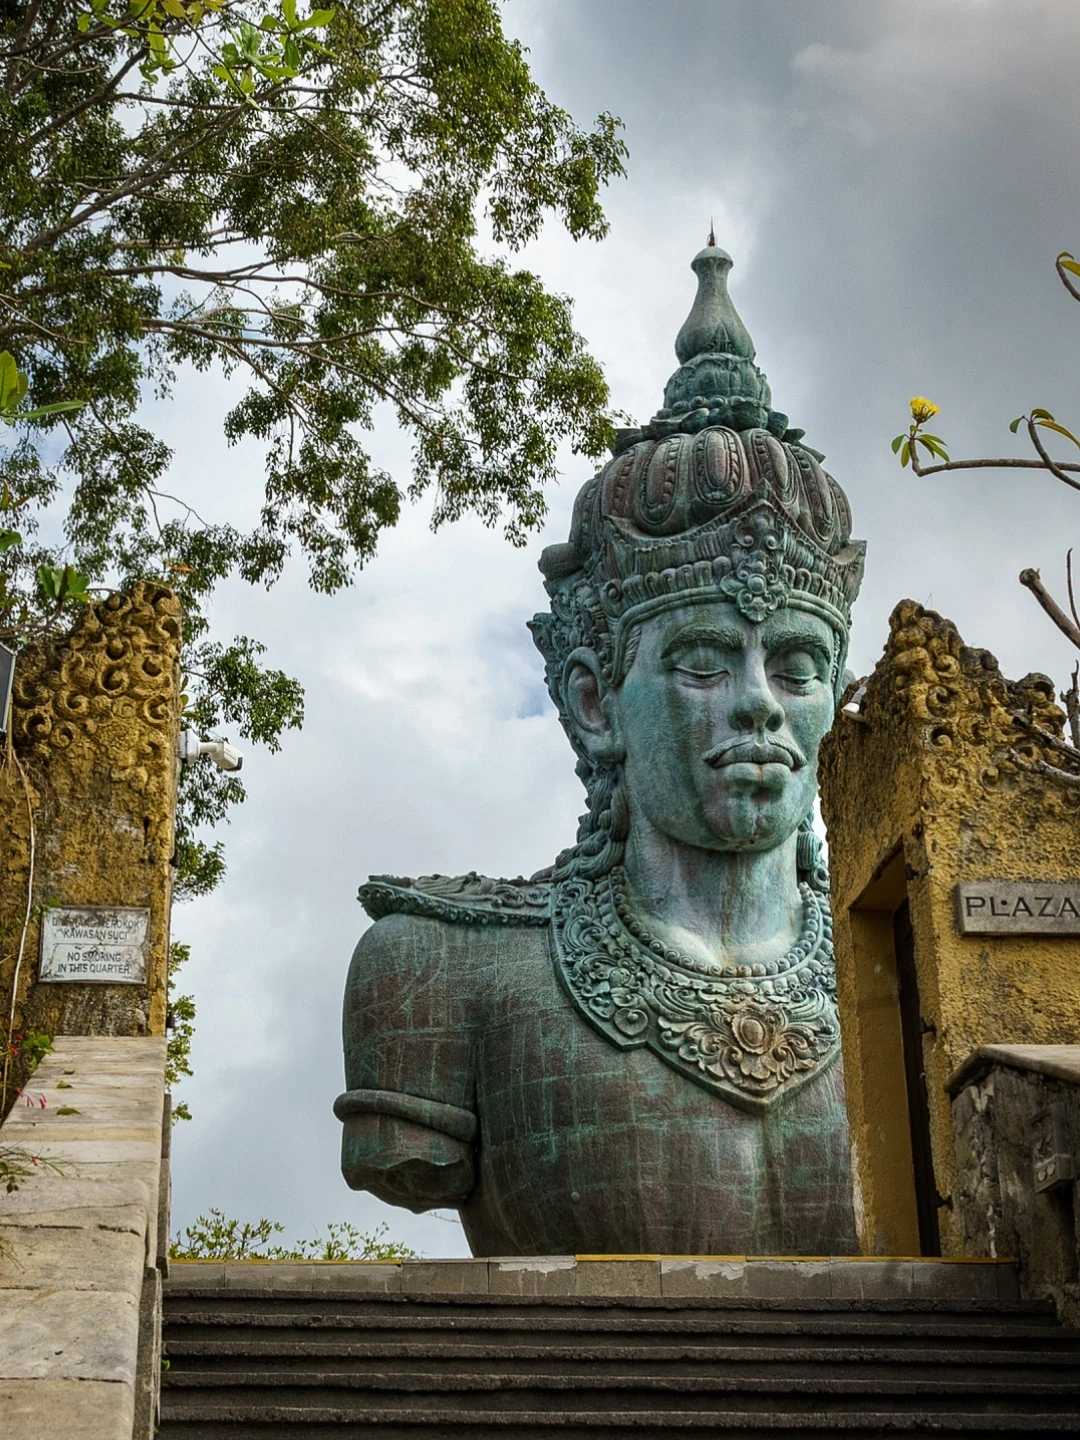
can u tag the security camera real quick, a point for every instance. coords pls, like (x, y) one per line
(225, 756)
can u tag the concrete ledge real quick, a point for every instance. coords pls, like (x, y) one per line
(1060, 1062)
(28, 1408)
(79, 1243)
(739, 1277)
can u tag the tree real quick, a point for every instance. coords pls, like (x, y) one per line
(321, 204)
(217, 1236)
(1036, 422)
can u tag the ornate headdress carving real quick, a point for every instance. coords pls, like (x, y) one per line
(715, 498)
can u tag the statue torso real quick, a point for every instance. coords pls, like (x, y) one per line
(625, 1104)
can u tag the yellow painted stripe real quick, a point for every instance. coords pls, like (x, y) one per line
(818, 1259)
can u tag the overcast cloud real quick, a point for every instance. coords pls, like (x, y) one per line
(893, 180)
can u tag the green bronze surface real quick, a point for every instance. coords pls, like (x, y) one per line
(636, 1050)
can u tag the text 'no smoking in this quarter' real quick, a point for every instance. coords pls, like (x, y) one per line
(1018, 907)
(96, 944)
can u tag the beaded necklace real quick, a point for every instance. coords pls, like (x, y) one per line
(749, 1033)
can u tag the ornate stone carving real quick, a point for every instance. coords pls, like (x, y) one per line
(94, 725)
(969, 711)
(109, 686)
(748, 1033)
(470, 899)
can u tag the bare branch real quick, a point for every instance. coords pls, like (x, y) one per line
(1052, 742)
(1047, 459)
(1042, 767)
(1031, 580)
(995, 465)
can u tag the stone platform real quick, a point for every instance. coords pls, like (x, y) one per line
(717, 1277)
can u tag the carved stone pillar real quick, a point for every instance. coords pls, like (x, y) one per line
(87, 807)
(935, 779)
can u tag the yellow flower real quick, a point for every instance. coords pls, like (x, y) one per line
(922, 408)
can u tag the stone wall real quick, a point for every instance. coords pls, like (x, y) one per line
(1016, 1113)
(936, 779)
(83, 1251)
(94, 725)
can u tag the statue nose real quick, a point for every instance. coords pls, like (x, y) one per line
(757, 709)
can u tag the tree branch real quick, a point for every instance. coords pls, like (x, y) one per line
(75, 110)
(992, 465)
(1031, 580)
(1048, 460)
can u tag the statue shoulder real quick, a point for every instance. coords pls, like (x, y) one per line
(470, 899)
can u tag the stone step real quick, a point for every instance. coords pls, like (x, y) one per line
(184, 1297)
(653, 1277)
(631, 1388)
(272, 1422)
(357, 1355)
(307, 1356)
(1020, 1327)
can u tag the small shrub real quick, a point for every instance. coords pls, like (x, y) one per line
(216, 1236)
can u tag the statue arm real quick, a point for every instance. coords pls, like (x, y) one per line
(409, 1122)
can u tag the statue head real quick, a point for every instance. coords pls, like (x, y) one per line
(700, 610)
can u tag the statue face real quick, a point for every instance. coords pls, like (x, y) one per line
(721, 719)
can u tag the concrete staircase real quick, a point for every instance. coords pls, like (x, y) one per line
(313, 1352)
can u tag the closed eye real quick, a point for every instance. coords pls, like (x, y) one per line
(699, 662)
(799, 668)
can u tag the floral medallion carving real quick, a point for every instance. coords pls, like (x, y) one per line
(748, 1033)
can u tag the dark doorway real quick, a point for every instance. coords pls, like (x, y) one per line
(911, 1026)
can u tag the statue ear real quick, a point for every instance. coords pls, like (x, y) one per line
(590, 702)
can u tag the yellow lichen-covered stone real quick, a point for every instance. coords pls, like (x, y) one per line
(94, 724)
(939, 779)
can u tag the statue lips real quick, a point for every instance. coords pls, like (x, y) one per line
(754, 752)
(759, 762)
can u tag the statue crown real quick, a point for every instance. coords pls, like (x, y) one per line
(715, 498)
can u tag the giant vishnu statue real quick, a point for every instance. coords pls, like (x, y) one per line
(637, 1050)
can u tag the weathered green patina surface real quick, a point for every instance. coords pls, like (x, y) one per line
(636, 1050)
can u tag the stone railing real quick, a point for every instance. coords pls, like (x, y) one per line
(84, 1247)
(1016, 1119)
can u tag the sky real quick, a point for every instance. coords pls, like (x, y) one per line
(893, 181)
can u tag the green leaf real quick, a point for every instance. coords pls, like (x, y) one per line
(1039, 414)
(12, 383)
(68, 1110)
(935, 446)
(288, 13)
(58, 407)
(1014, 425)
(905, 452)
(1060, 430)
(8, 539)
(899, 440)
(49, 580)
(1066, 261)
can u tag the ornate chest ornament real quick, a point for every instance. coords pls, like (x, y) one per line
(749, 1033)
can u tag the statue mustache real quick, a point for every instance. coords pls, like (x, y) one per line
(751, 751)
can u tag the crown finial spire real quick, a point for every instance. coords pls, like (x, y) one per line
(717, 382)
(713, 325)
